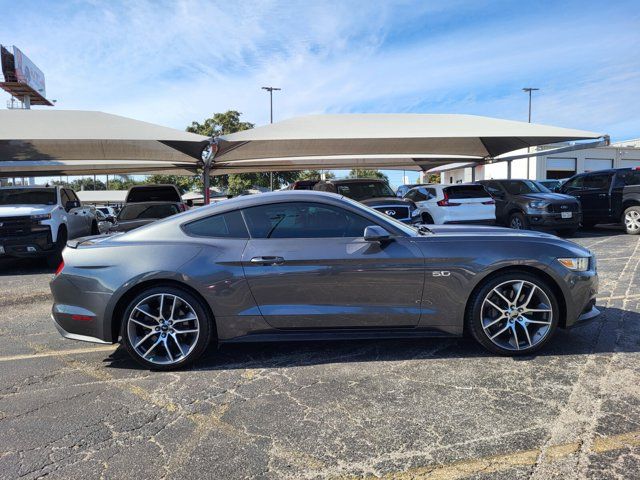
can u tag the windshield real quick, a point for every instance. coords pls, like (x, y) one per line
(28, 196)
(521, 187)
(365, 190)
(143, 211)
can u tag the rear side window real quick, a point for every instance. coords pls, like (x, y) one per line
(631, 178)
(597, 182)
(467, 191)
(417, 195)
(224, 225)
(167, 193)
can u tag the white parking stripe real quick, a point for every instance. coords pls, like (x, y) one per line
(58, 353)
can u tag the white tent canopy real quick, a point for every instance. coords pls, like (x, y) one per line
(58, 142)
(382, 141)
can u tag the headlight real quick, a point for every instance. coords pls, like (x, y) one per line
(580, 264)
(538, 204)
(42, 216)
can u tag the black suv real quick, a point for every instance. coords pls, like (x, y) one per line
(526, 204)
(608, 196)
(373, 193)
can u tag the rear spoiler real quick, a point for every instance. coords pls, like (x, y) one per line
(89, 241)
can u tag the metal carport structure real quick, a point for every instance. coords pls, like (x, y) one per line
(39, 142)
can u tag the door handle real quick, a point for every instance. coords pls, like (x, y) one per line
(267, 260)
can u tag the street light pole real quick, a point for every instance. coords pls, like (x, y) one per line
(270, 90)
(529, 90)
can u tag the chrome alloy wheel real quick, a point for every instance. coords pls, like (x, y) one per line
(163, 328)
(632, 220)
(516, 315)
(516, 223)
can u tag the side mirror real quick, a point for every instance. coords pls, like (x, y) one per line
(71, 204)
(374, 233)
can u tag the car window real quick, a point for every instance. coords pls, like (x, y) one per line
(73, 196)
(631, 178)
(417, 195)
(432, 192)
(523, 187)
(364, 190)
(303, 220)
(575, 184)
(27, 196)
(597, 182)
(467, 191)
(493, 188)
(144, 211)
(64, 196)
(224, 225)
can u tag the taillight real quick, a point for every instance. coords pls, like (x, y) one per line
(446, 203)
(59, 269)
(489, 202)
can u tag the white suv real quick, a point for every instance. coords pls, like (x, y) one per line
(37, 221)
(459, 203)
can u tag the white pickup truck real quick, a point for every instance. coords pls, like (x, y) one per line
(38, 221)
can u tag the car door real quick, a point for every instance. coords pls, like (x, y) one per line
(73, 220)
(594, 196)
(499, 195)
(309, 267)
(84, 213)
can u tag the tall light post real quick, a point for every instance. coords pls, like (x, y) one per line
(271, 90)
(529, 90)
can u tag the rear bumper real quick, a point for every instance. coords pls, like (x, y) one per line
(75, 336)
(29, 245)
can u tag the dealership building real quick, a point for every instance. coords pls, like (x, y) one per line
(551, 166)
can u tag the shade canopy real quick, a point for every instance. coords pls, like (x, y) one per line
(58, 142)
(382, 141)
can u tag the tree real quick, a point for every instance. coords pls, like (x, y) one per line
(87, 183)
(357, 173)
(184, 183)
(224, 124)
(315, 175)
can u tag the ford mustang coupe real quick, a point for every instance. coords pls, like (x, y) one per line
(305, 265)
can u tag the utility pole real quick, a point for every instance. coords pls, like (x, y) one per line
(527, 90)
(270, 90)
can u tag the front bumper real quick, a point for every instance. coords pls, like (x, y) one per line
(553, 221)
(581, 298)
(28, 245)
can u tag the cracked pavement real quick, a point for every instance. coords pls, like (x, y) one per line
(436, 408)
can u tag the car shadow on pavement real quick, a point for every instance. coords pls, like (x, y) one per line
(24, 266)
(615, 330)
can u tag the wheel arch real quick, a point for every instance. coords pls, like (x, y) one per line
(531, 270)
(122, 302)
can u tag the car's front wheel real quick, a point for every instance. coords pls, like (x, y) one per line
(518, 221)
(165, 328)
(513, 314)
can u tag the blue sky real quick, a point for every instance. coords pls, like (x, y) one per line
(176, 61)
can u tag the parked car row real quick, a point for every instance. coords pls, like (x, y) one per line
(587, 199)
(38, 221)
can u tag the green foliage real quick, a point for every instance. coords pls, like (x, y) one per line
(87, 183)
(357, 173)
(315, 175)
(183, 182)
(220, 124)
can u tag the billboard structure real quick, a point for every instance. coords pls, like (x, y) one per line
(22, 78)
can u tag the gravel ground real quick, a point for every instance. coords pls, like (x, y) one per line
(439, 409)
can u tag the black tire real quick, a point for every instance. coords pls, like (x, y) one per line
(94, 229)
(631, 220)
(205, 324)
(55, 257)
(473, 321)
(518, 221)
(426, 218)
(567, 232)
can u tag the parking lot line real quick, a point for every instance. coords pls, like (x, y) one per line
(58, 353)
(523, 458)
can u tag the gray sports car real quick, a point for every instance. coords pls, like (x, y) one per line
(302, 265)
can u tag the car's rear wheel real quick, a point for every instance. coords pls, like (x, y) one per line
(518, 221)
(513, 314)
(632, 220)
(426, 218)
(164, 328)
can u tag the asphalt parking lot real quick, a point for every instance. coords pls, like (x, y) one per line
(437, 409)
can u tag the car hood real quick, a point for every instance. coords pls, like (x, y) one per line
(25, 210)
(372, 202)
(549, 197)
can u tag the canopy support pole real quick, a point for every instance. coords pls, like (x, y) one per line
(208, 154)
